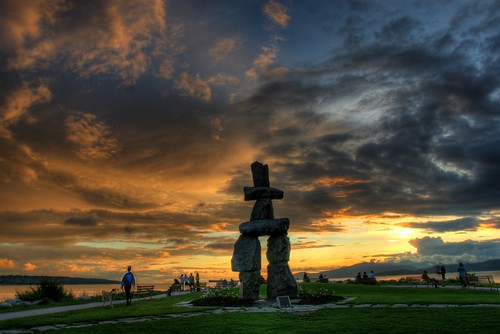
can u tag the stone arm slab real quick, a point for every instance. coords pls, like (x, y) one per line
(265, 227)
(254, 193)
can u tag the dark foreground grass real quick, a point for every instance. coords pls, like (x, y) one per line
(351, 320)
(348, 320)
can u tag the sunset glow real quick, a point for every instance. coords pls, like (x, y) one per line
(127, 130)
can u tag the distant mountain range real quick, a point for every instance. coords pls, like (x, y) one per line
(390, 269)
(35, 280)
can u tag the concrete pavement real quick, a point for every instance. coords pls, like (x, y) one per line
(58, 309)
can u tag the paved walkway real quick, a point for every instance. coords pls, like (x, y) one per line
(58, 309)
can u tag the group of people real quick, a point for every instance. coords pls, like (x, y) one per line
(321, 279)
(366, 278)
(462, 275)
(128, 281)
(188, 281)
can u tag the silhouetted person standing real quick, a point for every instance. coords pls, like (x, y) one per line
(306, 279)
(128, 281)
(443, 273)
(462, 275)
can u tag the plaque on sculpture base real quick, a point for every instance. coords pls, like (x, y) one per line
(284, 302)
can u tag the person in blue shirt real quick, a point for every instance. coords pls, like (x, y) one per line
(128, 281)
(462, 274)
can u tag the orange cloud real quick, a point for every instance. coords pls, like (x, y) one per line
(25, 29)
(222, 79)
(78, 269)
(224, 47)
(29, 267)
(6, 263)
(105, 38)
(194, 86)
(339, 181)
(91, 136)
(163, 254)
(277, 13)
(262, 63)
(19, 101)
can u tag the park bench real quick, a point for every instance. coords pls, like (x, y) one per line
(416, 281)
(480, 280)
(145, 289)
(224, 283)
(196, 287)
(362, 280)
(200, 286)
(176, 287)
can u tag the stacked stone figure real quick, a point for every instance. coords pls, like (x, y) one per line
(246, 257)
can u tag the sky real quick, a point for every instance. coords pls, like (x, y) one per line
(127, 131)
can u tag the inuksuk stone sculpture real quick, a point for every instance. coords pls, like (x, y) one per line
(246, 257)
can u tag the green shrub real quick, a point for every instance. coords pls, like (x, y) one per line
(314, 294)
(220, 292)
(47, 289)
(221, 297)
(29, 296)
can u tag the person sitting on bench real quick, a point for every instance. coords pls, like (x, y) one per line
(426, 278)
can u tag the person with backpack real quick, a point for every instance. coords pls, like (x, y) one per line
(462, 275)
(128, 281)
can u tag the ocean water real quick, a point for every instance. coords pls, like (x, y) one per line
(451, 274)
(93, 290)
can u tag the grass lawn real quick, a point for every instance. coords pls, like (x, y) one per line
(351, 320)
(345, 320)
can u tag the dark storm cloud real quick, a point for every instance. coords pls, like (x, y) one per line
(99, 196)
(481, 251)
(430, 149)
(221, 245)
(130, 113)
(462, 224)
(404, 29)
(81, 221)
(179, 233)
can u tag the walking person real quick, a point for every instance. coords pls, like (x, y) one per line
(461, 275)
(128, 281)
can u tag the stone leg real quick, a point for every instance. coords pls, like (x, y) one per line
(250, 285)
(246, 255)
(280, 281)
(278, 249)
